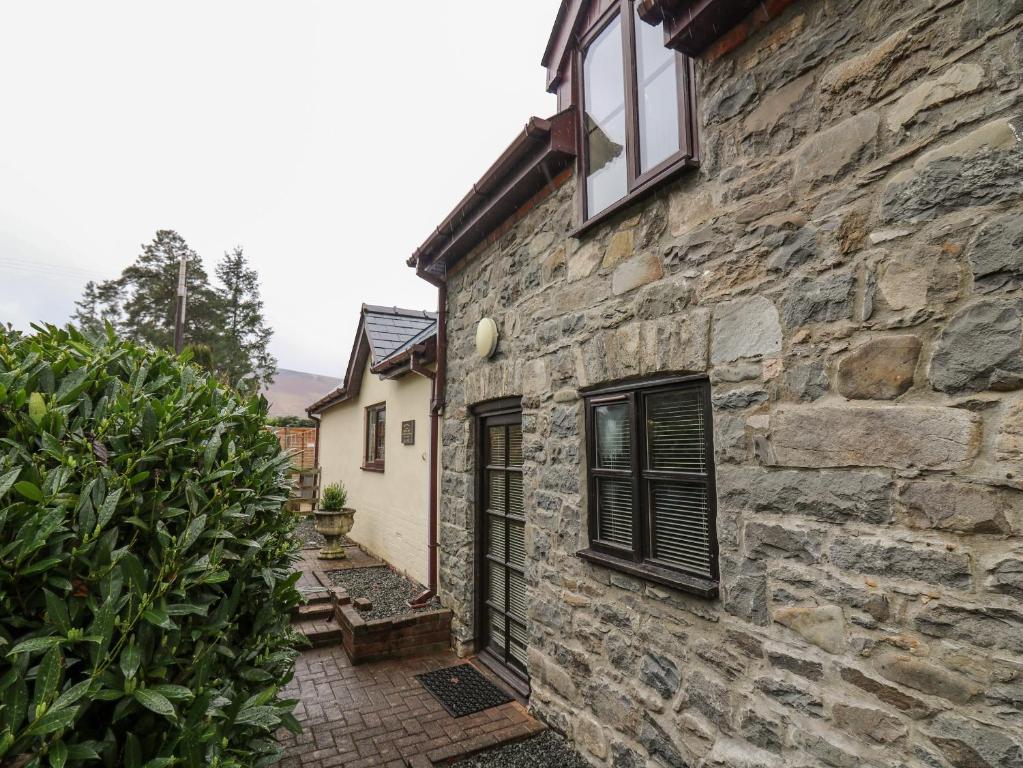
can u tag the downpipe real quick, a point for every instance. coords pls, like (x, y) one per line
(436, 408)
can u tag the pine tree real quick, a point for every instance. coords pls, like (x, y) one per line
(99, 304)
(224, 326)
(87, 309)
(244, 351)
(150, 286)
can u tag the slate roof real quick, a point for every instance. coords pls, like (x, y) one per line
(384, 334)
(391, 330)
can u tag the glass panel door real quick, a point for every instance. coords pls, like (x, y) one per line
(503, 586)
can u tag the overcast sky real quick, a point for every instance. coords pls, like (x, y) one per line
(326, 137)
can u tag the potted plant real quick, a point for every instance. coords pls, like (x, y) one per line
(334, 520)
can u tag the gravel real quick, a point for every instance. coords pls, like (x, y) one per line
(306, 533)
(388, 591)
(543, 751)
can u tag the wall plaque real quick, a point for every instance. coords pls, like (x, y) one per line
(408, 432)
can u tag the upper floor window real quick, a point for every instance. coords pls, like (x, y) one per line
(637, 110)
(376, 419)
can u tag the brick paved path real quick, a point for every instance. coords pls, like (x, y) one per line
(379, 715)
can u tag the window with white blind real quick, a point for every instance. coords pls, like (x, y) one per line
(651, 482)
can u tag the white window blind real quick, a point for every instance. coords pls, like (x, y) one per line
(675, 432)
(614, 511)
(652, 476)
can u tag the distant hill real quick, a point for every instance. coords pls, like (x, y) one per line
(293, 391)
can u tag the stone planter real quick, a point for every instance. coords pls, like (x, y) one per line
(333, 526)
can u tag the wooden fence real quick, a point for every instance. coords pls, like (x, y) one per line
(301, 443)
(306, 490)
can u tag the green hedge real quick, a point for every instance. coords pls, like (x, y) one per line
(145, 579)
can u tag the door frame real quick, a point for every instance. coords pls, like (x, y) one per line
(480, 414)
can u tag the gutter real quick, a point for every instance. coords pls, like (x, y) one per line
(536, 131)
(385, 367)
(436, 408)
(540, 151)
(415, 367)
(316, 409)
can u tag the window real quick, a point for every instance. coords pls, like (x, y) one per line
(636, 108)
(651, 482)
(375, 423)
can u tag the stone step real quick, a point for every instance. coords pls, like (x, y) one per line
(317, 595)
(322, 610)
(319, 632)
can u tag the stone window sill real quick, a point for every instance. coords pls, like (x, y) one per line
(372, 467)
(680, 581)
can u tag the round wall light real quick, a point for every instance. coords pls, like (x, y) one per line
(486, 337)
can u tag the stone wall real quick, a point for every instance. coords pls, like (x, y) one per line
(847, 266)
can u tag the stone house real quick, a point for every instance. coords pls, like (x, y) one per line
(740, 483)
(373, 434)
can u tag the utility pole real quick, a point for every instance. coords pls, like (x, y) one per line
(179, 311)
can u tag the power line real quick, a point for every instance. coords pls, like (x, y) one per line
(45, 269)
(37, 263)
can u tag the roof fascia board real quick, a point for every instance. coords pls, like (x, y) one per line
(534, 131)
(541, 147)
(560, 43)
(426, 349)
(691, 27)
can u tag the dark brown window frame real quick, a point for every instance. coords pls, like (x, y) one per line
(638, 561)
(509, 407)
(638, 183)
(375, 464)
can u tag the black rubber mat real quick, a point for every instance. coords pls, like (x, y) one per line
(462, 690)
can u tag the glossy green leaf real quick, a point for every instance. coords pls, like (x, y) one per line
(57, 612)
(36, 407)
(158, 617)
(192, 532)
(82, 752)
(58, 755)
(173, 692)
(73, 694)
(41, 565)
(53, 721)
(34, 645)
(149, 423)
(7, 480)
(131, 657)
(106, 512)
(29, 490)
(47, 678)
(155, 702)
(132, 755)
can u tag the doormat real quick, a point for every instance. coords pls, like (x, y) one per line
(462, 690)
